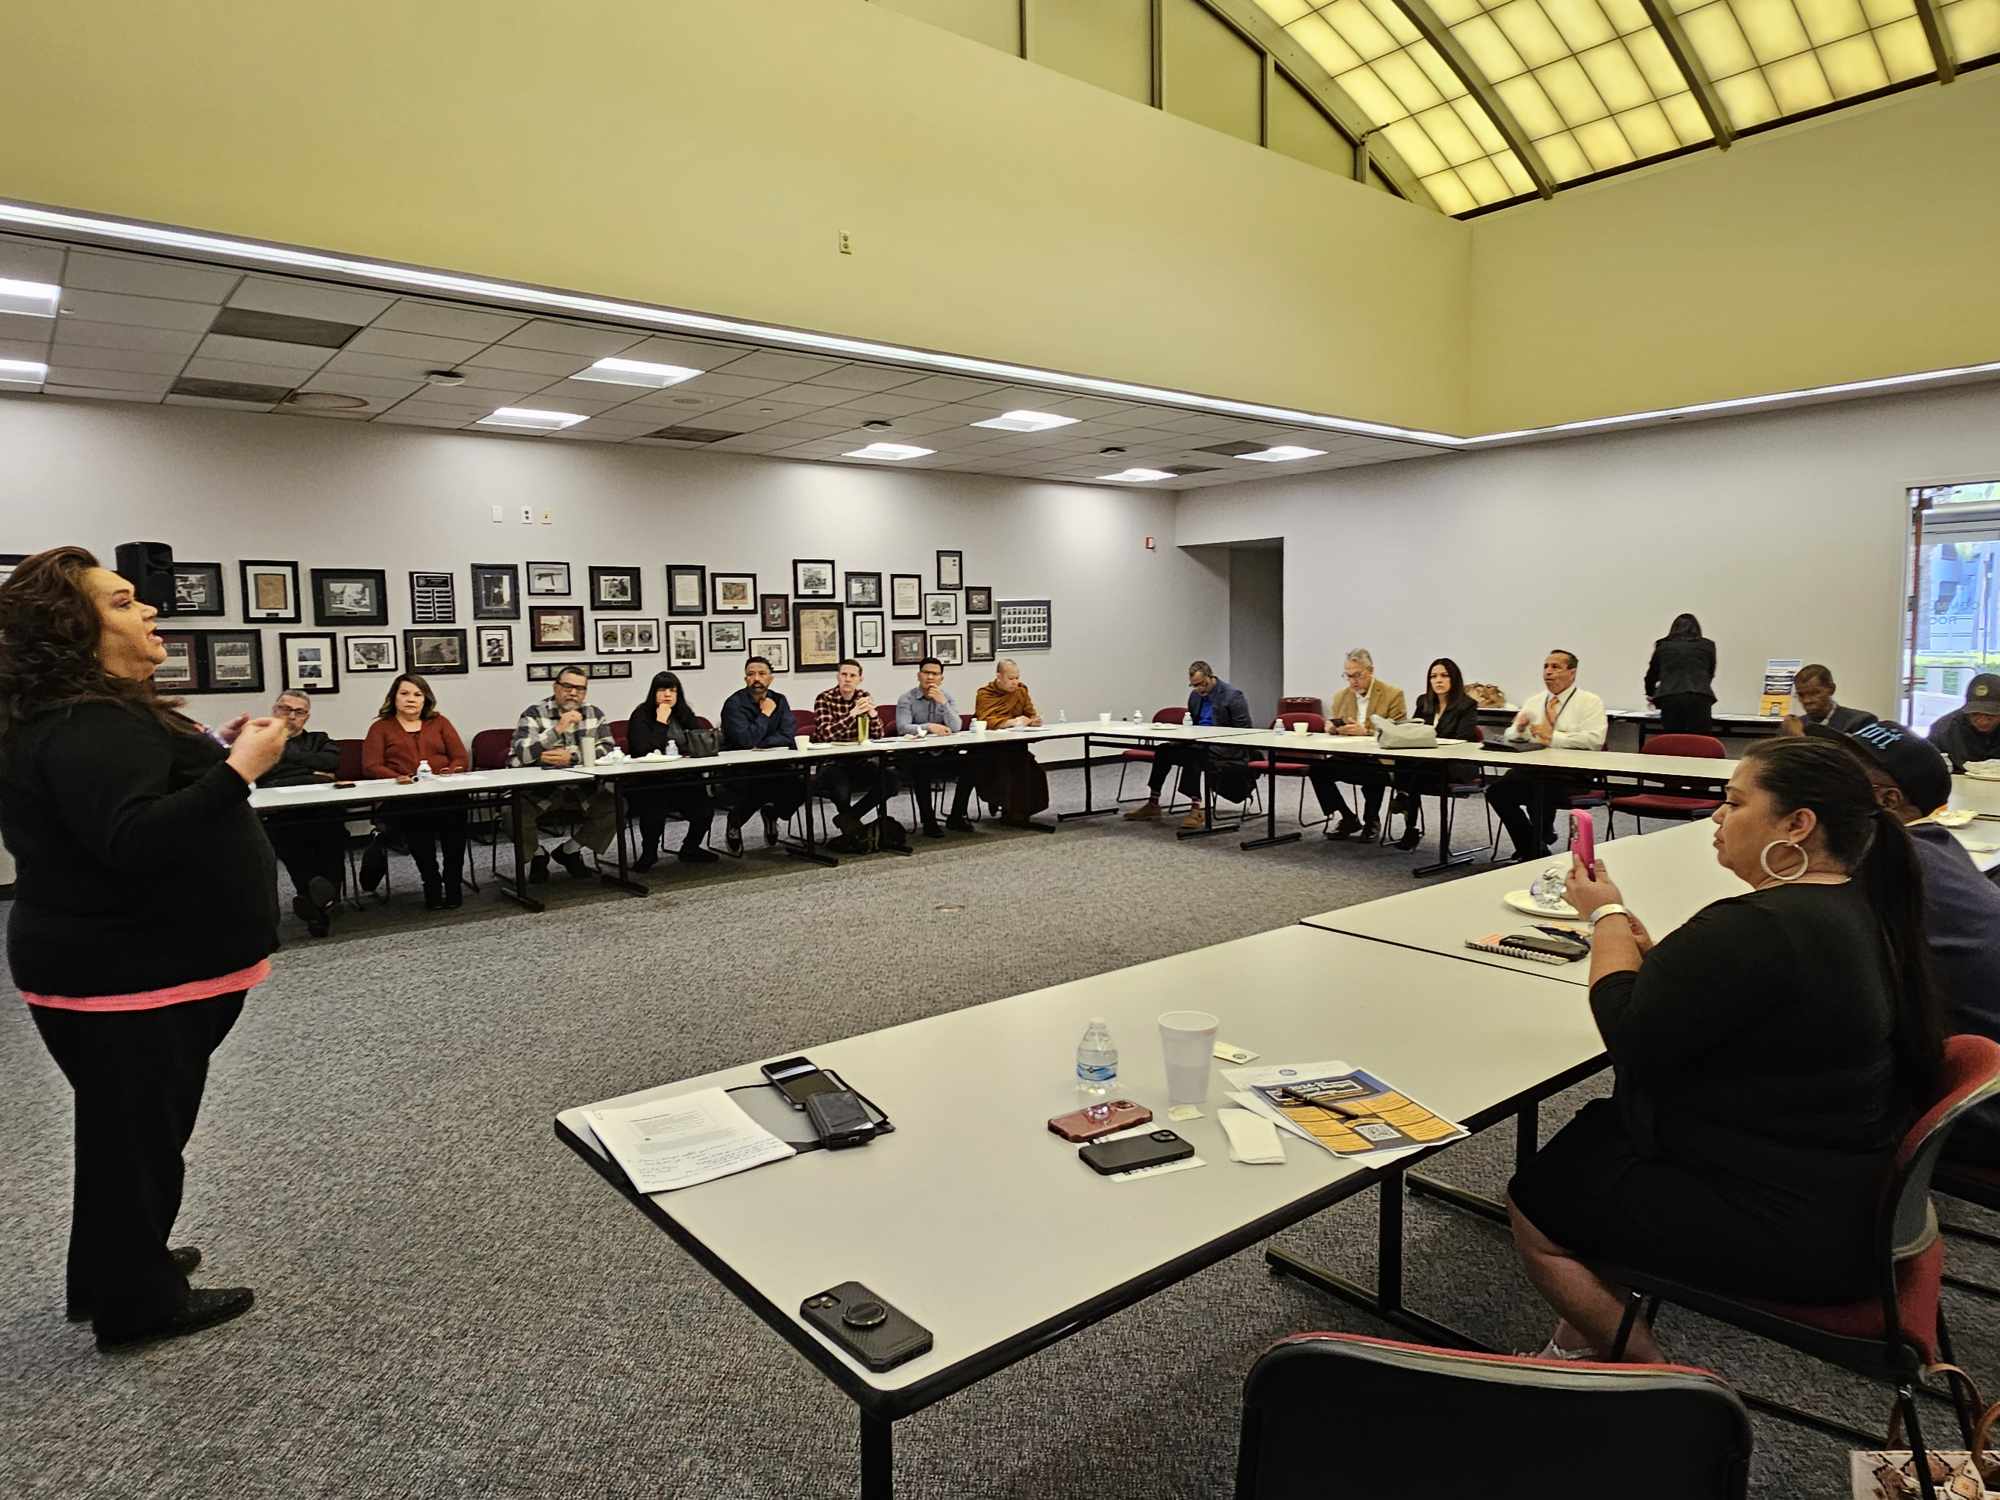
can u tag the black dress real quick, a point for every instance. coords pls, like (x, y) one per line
(1758, 1104)
(1680, 679)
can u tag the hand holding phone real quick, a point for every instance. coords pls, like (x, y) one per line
(1583, 840)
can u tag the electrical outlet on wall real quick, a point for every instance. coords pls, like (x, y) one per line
(499, 514)
(846, 243)
(527, 515)
(548, 518)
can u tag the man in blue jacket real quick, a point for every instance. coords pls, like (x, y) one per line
(757, 717)
(1214, 704)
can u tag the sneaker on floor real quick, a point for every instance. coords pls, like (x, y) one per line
(374, 864)
(572, 860)
(321, 892)
(1145, 812)
(1409, 838)
(1195, 819)
(203, 1309)
(887, 833)
(958, 823)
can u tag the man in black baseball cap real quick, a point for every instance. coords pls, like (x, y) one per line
(1973, 732)
(1961, 906)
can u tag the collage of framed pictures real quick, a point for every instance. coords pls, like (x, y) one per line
(775, 649)
(496, 591)
(270, 592)
(350, 596)
(870, 635)
(627, 637)
(906, 596)
(495, 644)
(197, 589)
(951, 570)
(978, 601)
(433, 599)
(370, 653)
(949, 649)
(864, 590)
(614, 588)
(548, 580)
(775, 612)
(687, 589)
(545, 671)
(818, 638)
(430, 650)
(812, 578)
(308, 661)
(940, 609)
(979, 640)
(684, 645)
(733, 594)
(907, 647)
(728, 635)
(555, 627)
(211, 661)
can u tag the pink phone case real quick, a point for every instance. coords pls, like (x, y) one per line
(1583, 841)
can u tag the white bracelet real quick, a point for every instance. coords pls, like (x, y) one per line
(1610, 909)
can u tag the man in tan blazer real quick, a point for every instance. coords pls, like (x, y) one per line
(1355, 708)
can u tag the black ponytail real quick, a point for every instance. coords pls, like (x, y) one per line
(1870, 843)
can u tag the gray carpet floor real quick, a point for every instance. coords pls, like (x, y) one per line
(450, 1304)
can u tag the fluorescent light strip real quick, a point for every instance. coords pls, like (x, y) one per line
(890, 452)
(1137, 476)
(30, 299)
(1027, 421)
(636, 372)
(1282, 454)
(22, 372)
(528, 419)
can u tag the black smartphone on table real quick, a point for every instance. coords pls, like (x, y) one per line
(1149, 1150)
(870, 1329)
(798, 1079)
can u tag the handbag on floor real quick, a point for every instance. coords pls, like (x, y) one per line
(1891, 1474)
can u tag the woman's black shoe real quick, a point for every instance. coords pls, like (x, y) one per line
(454, 896)
(1409, 838)
(694, 854)
(311, 915)
(374, 864)
(433, 898)
(203, 1309)
(647, 859)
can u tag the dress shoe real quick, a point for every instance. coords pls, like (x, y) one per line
(374, 864)
(1371, 830)
(538, 870)
(732, 837)
(324, 896)
(572, 861)
(184, 1261)
(203, 1309)
(959, 823)
(311, 915)
(433, 897)
(1145, 812)
(770, 829)
(694, 854)
(454, 895)
(1346, 829)
(889, 834)
(1198, 818)
(1409, 838)
(647, 860)
(851, 826)
(932, 830)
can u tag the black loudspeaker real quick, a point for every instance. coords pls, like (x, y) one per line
(149, 567)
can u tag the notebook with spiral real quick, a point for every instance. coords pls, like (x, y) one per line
(1536, 947)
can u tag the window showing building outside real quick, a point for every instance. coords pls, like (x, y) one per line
(1954, 627)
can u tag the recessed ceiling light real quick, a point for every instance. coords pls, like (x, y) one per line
(893, 452)
(34, 299)
(1282, 454)
(22, 372)
(1137, 476)
(1026, 421)
(636, 372)
(878, 424)
(527, 419)
(326, 401)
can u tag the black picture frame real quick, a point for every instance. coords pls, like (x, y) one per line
(814, 584)
(619, 636)
(863, 590)
(978, 601)
(728, 636)
(813, 624)
(548, 580)
(774, 612)
(868, 635)
(486, 637)
(775, 649)
(433, 599)
(979, 635)
(298, 675)
(683, 645)
(350, 596)
(542, 616)
(906, 596)
(940, 608)
(908, 647)
(244, 646)
(548, 671)
(950, 569)
(685, 578)
(1026, 625)
(254, 577)
(9, 561)
(198, 590)
(381, 654)
(733, 594)
(615, 588)
(181, 671)
(496, 591)
(436, 651)
(949, 649)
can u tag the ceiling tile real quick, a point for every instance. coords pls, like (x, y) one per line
(177, 400)
(949, 387)
(773, 366)
(763, 413)
(25, 349)
(236, 369)
(399, 417)
(106, 394)
(888, 404)
(263, 352)
(595, 395)
(146, 312)
(140, 361)
(306, 299)
(798, 429)
(28, 260)
(143, 276)
(865, 378)
(81, 333)
(430, 411)
(689, 353)
(373, 387)
(509, 357)
(387, 366)
(407, 315)
(726, 384)
(26, 330)
(444, 352)
(572, 338)
(123, 380)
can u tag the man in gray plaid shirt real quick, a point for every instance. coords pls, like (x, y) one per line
(553, 733)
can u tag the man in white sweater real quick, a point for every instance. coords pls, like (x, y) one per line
(1562, 716)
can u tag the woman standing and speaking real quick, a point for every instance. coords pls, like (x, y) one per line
(144, 908)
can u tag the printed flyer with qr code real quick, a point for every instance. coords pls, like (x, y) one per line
(1348, 1111)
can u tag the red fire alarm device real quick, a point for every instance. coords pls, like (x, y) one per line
(1149, 544)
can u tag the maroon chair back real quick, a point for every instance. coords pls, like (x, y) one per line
(965, 721)
(700, 722)
(1301, 705)
(491, 748)
(885, 720)
(349, 768)
(621, 732)
(1700, 746)
(1175, 715)
(805, 722)
(1315, 723)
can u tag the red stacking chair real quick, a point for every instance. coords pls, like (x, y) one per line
(621, 732)
(1374, 1413)
(1895, 1335)
(1295, 769)
(885, 720)
(1175, 715)
(1979, 1186)
(1680, 809)
(491, 750)
(1301, 705)
(804, 722)
(349, 768)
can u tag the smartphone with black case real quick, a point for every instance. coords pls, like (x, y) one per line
(1136, 1151)
(798, 1079)
(840, 1119)
(870, 1329)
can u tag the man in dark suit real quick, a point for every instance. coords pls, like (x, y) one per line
(1214, 704)
(313, 848)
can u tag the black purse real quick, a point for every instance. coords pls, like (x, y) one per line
(702, 743)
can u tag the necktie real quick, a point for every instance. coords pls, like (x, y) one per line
(1550, 708)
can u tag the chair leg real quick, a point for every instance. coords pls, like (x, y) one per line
(1634, 1303)
(1968, 1415)
(1919, 1455)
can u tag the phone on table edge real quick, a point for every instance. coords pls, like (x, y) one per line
(869, 1328)
(1092, 1121)
(798, 1079)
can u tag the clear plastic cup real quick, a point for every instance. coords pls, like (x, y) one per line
(1187, 1037)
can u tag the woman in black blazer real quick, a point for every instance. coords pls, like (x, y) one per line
(1680, 679)
(1446, 706)
(665, 717)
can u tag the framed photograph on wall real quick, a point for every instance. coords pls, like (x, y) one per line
(684, 644)
(907, 647)
(951, 570)
(270, 592)
(370, 653)
(906, 596)
(733, 594)
(428, 650)
(687, 589)
(818, 640)
(870, 636)
(496, 591)
(775, 649)
(864, 590)
(940, 609)
(433, 599)
(978, 601)
(496, 645)
(949, 649)
(350, 596)
(548, 579)
(776, 611)
(627, 637)
(197, 589)
(812, 578)
(979, 640)
(308, 662)
(1025, 625)
(555, 627)
(231, 661)
(177, 674)
(728, 635)
(9, 561)
(614, 588)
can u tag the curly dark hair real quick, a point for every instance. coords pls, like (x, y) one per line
(48, 648)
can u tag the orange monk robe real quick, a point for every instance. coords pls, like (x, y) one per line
(1010, 777)
(998, 708)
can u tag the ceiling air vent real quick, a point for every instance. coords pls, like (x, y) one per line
(1181, 471)
(692, 434)
(1234, 450)
(280, 328)
(231, 390)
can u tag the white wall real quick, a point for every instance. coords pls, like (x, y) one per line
(1257, 627)
(1786, 534)
(223, 486)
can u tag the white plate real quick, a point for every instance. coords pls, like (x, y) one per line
(1980, 775)
(1953, 817)
(1522, 901)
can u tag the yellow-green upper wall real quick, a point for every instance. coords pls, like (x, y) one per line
(705, 154)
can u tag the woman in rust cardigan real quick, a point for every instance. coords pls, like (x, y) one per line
(408, 729)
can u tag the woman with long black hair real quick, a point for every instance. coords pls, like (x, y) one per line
(1445, 705)
(1680, 677)
(662, 718)
(1770, 1055)
(145, 908)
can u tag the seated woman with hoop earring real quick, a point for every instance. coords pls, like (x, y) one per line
(1770, 1054)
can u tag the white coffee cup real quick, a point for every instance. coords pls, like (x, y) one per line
(804, 741)
(1104, 718)
(1300, 726)
(979, 726)
(1187, 1037)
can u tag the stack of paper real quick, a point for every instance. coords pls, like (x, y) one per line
(1348, 1112)
(689, 1138)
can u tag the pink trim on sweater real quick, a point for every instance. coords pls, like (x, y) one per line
(176, 994)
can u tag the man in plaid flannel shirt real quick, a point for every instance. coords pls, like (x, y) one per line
(552, 733)
(837, 715)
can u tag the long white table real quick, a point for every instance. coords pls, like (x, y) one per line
(967, 1217)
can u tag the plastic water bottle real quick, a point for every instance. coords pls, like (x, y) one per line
(1138, 716)
(1096, 1063)
(424, 771)
(673, 750)
(1062, 717)
(589, 746)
